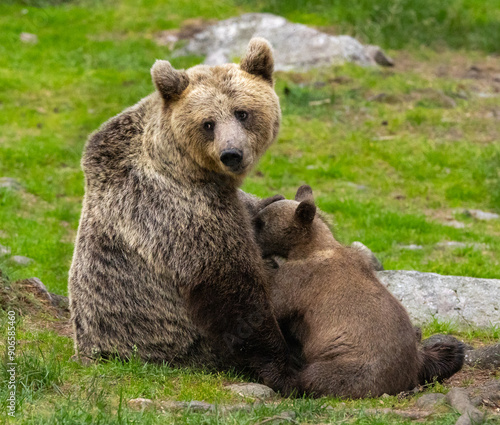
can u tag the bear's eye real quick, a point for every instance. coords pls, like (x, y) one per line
(208, 126)
(241, 115)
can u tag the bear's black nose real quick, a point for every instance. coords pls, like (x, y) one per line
(231, 157)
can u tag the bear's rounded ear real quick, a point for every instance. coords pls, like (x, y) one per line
(168, 81)
(306, 211)
(304, 192)
(258, 59)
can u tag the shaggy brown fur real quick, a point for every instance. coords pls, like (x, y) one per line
(357, 339)
(165, 261)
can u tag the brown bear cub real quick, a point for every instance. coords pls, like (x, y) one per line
(357, 339)
(165, 262)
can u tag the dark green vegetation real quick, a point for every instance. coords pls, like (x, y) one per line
(393, 155)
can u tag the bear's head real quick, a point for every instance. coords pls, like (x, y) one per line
(223, 117)
(283, 226)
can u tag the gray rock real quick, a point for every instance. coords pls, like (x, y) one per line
(21, 261)
(146, 403)
(484, 357)
(459, 400)
(430, 401)
(481, 215)
(4, 250)
(464, 300)
(296, 46)
(37, 287)
(251, 390)
(140, 403)
(10, 183)
(60, 301)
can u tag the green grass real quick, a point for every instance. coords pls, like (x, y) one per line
(53, 389)
(392, 158)
(392, 132)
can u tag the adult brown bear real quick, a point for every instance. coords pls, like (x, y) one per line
(165, 261)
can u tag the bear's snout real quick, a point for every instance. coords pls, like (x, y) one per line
(231, 158)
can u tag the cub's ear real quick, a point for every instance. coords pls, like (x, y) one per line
(306, 211)
(304, 192)
(258, 59)
(168, 81)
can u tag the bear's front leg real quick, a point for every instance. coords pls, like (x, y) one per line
(238, 318)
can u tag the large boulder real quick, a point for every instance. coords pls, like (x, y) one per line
(296, 46)
(462, 300)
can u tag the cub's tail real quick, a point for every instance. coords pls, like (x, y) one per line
(442, 356)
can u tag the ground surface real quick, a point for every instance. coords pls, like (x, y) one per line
(395, 157)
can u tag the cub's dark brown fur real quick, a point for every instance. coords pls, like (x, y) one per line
(357, 339)
(165, 262)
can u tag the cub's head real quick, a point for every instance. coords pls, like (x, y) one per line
(285, 225)
(223, 117)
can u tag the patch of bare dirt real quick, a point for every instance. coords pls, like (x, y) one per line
(39, 308)
(471, 377)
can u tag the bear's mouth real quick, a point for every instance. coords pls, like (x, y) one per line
(236, 169)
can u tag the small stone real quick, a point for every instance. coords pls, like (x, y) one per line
(357, 186)
(430, 401)
(60, 301)
(251, 390)
(452, 244)
(454, 223)
(36, 286)
(481, 215)
(200, 406)
(288, 414)
(319, 102)
(411, 247)
(21, 261)
(4, 250)
(10, 183)
(140, 403)
(172, 405)
(26, 37)
(459, 400)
